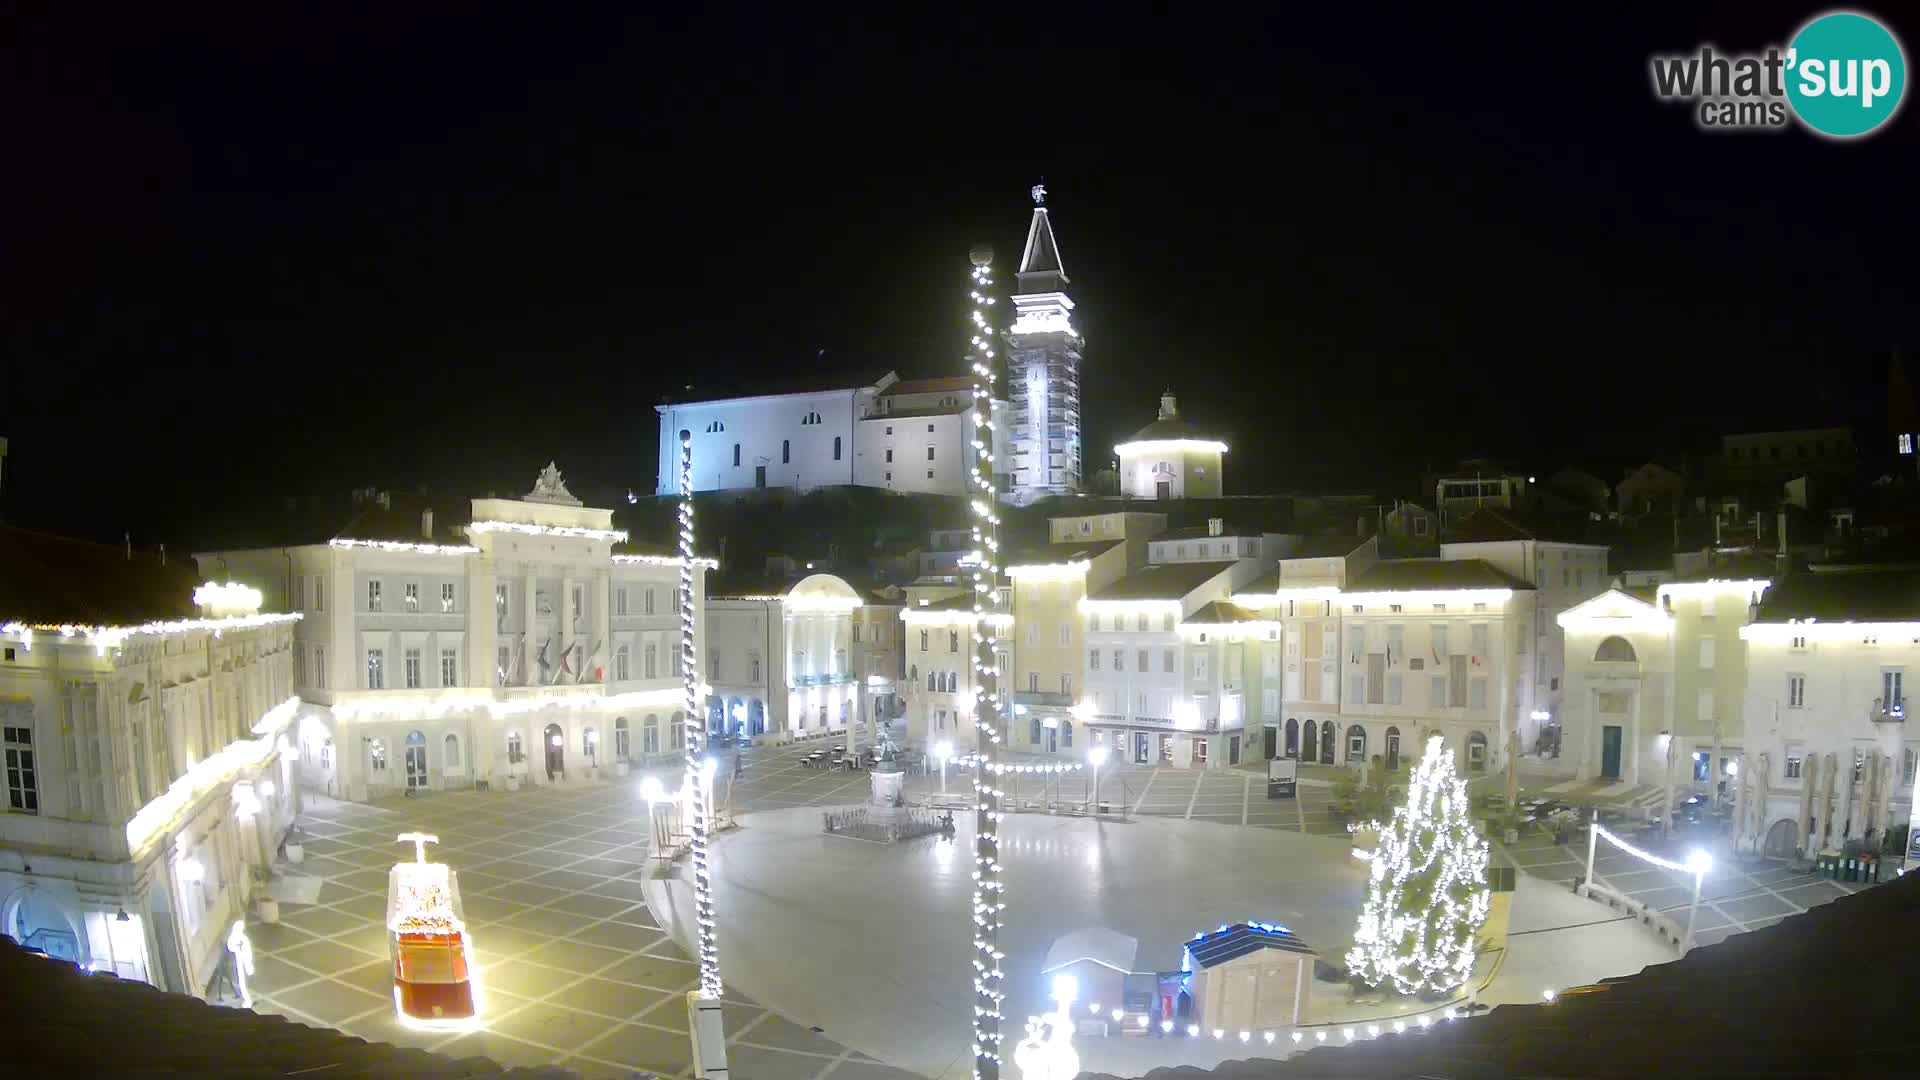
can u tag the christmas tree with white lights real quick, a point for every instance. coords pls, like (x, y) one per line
(1428, 894)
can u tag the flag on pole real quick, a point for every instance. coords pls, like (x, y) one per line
(545, 664)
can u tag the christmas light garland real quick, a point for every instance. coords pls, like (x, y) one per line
(1427, 895)
(989, 898)
(697, 781)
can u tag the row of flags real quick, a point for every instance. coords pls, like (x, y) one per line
(570, 669)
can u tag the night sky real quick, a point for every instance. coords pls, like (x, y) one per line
(248, 256)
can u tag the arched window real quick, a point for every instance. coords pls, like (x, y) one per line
(677, 734)
(716, 427)
(1293, 737)
(590, 744)
(932, 681)
(1327, 737)
(650, 735)
(1356, 743)
(650, 661)
(620, 738)
(623, 663)
(1163, 468)
(786, 451)
(836, 448)
(736, 455)
(516, 753)
(452, 752)
(376, 754)
(1393, 748)
(1615, 648)
(1066, 733)
(1036, 731)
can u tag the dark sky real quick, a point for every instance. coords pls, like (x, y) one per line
(247, 255)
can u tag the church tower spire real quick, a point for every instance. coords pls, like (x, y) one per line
(1044, 368)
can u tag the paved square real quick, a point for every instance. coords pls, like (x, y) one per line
(575, 970)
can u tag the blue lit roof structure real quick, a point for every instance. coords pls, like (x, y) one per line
(1237, 940)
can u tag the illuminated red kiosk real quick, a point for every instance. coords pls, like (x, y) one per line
(427, 939)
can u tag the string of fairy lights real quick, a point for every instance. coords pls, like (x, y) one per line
(696, 779)
(989, 898)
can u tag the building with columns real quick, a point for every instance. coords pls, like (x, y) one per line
(1657, 685)
(1171, 458)
(1043, 370)
(787, 661)
(522, 641)
(149, 763)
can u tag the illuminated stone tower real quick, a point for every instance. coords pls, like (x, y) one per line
(1043, 368)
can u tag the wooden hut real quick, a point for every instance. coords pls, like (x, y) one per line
(1249, 977)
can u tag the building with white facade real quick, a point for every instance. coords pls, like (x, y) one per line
(1173, 667)
(1043, 370)
(798, 434)
(1657, 683)
(528, 644)
(791, 661)
(149, 763)
(1379, 653)
(832, 431)
(1563, 574)
(1829, 752)
(918, 436)
(1171, 458)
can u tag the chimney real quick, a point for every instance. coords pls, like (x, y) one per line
(426, 524)
(1215, 526)
(1167, 408)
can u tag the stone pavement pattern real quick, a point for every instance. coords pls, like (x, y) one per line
(573, 969)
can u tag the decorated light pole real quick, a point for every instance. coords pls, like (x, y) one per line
(989, 900)
(703, 1005)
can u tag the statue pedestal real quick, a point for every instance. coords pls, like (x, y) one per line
(887, 783)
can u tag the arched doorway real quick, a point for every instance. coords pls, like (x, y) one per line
(1393, 749)
(621, 746)
(38, 921)
(1780, 840)
(416, 760)
(554, 742)
(1356, 744)
(756, 717)
(1293, 737)
(1309, 745)
(1326, 742)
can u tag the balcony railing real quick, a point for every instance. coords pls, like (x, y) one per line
(823, 680)
(1889, 712)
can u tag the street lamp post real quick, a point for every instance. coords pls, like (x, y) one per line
(1096, 757)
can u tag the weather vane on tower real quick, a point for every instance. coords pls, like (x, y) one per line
(1040, 193)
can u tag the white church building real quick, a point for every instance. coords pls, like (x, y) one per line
(877, 431)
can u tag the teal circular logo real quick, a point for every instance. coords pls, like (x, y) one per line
(1845, 74)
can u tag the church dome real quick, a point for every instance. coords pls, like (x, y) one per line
(1170, 425)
